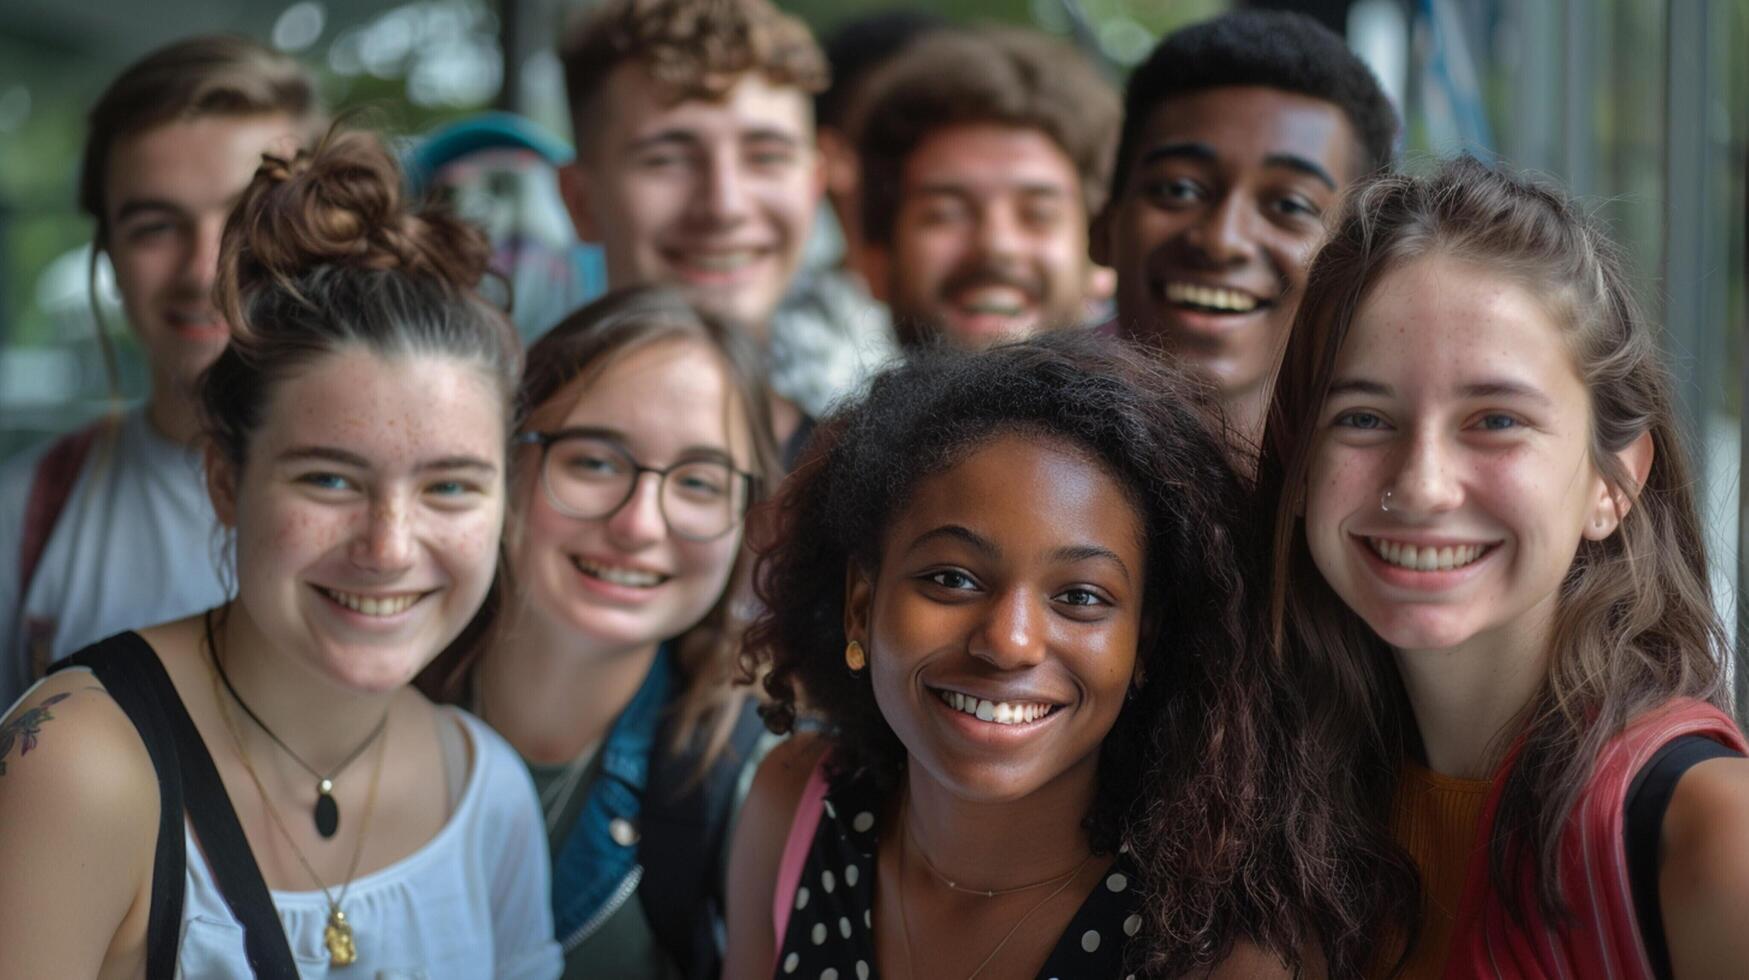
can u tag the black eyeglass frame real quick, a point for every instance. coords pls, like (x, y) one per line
(546, 441)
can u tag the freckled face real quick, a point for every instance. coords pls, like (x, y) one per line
(1456, 393)
(368, 513)
(626, 580)
(1002, 624)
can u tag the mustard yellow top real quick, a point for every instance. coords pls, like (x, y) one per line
(1434, 818)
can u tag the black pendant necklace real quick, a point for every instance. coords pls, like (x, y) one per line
(326, 812)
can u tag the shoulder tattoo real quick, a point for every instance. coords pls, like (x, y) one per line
(23, 730)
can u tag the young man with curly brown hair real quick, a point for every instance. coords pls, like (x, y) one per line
(983, 154)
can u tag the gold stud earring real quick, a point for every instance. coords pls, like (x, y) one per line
(854, 657)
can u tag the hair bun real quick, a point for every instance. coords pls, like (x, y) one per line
(339, 205)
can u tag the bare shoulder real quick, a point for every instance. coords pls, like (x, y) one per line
(757, 851)
(79, 801)
(69, 730)
(1705, 852)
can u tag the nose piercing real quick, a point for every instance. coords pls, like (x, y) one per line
(1385, 501)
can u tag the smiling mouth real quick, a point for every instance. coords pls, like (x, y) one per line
(630, 577)
(1427, 558)
(374, 605)
(1003, 301)
(1211, 299)
(998, 712)
(717, 262)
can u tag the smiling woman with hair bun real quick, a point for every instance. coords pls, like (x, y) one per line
(258, 789)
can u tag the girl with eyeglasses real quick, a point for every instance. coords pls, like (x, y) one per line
(647, 438)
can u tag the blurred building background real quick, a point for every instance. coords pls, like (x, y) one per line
(1639, 106)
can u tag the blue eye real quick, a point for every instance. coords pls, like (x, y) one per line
(1498, 422)
(1366, 421)
(326, 481)
(450, 488)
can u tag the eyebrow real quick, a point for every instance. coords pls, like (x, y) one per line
(959, 188)
(343, 457)
(1204, 153)
(1486, 388)
(146, 205)
(688, 138)
(964, 535)
(1067, 554)
(1090, 552)
(691, 453)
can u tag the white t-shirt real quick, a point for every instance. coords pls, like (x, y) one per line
(474, 902)
(136, 545)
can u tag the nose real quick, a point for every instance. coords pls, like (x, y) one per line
(201, 268)
(1012, 636)
(724, 197)
(386, 542)
(998, 234)
(1225, 235)
(638, 522)
(1426, 481)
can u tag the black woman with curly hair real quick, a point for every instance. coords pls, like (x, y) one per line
(991, 577)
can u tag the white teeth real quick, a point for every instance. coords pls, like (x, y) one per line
(721, 261)
(374, 605)
(1426, 559)
(998, 300)
(997, 712)
(1229, 300)
(620, 576)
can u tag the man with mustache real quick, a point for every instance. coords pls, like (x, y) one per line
(983, 153)
(110, 528)
(1239, 136)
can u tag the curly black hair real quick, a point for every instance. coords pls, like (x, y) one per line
(1150, 428)
(1269, 48)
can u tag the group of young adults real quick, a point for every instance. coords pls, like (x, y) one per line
(1166, 542)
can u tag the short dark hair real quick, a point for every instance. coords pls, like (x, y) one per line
(1007, 76)
(697, 48)
(1271, 48)
(196, 77)
(857, 48)
(1140, 420)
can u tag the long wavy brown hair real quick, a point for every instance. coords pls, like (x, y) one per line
(1634, 625)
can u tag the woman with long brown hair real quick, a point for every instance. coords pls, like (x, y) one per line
(1491, 580)
(258, 790)
(647, 439)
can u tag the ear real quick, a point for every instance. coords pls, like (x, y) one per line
(1101, 283)
(221, 484)
(574, 189)
(1099, 242)
(1613, 503)
(858, 597)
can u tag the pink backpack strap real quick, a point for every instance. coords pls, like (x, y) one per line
(795, 851)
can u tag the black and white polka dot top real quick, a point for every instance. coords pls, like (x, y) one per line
(830, 935)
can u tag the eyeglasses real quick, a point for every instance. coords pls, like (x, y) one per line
(591, 476)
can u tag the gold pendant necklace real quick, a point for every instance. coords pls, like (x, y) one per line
(337, 934)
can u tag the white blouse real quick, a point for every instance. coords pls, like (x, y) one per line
(472, 903)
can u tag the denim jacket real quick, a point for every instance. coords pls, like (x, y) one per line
(596, 869)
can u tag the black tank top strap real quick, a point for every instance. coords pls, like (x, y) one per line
(188, 784)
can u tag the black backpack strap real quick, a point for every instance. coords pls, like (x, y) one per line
(685, 827)
(129, 684)
(135, 669)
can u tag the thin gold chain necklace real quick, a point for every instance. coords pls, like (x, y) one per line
(337, 934)
(905, 921)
